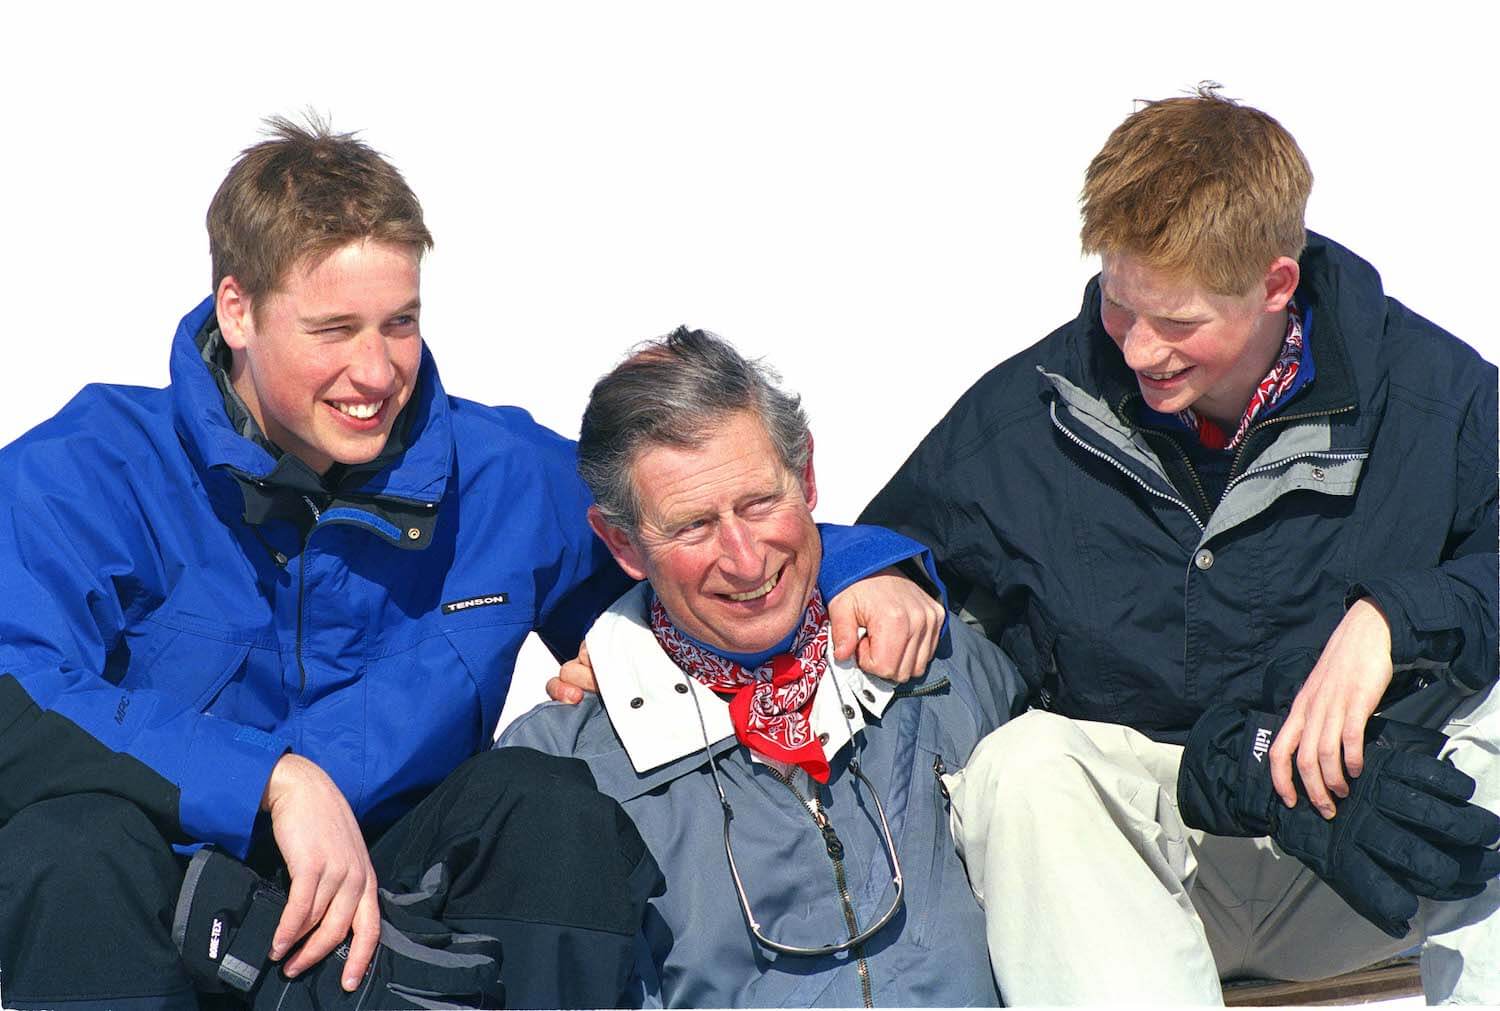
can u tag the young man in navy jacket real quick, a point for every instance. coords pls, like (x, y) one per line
(1242, 475)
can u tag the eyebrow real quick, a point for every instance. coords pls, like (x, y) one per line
(314, 322)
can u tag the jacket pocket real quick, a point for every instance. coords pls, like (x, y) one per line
(184, 666)
(926, 843)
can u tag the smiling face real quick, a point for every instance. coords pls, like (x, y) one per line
(1189, 347)
(327, 361)
(726, 536)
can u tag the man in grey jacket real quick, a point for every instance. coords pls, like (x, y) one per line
(796, 806)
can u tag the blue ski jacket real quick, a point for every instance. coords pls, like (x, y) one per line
(176, 618)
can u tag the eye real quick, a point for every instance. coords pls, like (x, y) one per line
(690, 530)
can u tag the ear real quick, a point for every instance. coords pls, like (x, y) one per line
(809, 479)
(1281, 283)
(627, 554)
(232, 305)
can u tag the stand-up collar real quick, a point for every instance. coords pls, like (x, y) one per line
(417, 474)
(657, 720)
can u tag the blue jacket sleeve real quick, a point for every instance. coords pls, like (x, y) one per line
(851, 553)
(585, 578)
(77, 569)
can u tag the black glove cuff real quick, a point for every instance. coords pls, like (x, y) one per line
(1256, 798)
(1224, 783)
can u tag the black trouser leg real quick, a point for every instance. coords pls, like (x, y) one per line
(87, 890)
(537, 857)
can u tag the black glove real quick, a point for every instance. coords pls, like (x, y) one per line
(226, 916)
(1405, 830)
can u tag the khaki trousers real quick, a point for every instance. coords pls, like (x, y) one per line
(1096, 893)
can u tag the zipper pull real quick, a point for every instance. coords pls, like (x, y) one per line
(830, 837)
(831, 840)
(938, 770)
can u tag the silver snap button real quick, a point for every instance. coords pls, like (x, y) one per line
(848, 712)
(1204, 559)
(413, 533)
(1318, 474)
(636, 703)
(822, 738)
(681, 688)
(869, 695)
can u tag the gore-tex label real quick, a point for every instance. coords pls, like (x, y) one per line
(488, 600)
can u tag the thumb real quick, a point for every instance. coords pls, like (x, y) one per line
(845, 631)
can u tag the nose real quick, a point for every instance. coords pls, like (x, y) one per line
(370, 368)
(739, 556)
(1141, 346)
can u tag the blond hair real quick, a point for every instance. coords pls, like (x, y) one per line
(1200, 187)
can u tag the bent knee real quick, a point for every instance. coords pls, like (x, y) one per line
(81, 833)
(1034, 745)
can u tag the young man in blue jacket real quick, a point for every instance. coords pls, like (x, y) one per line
(1242, 475)
(274, 607)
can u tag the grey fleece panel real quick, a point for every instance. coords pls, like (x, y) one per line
(1097, 416)
(1299, 460)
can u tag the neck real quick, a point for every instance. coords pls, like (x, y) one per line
(1269, 337)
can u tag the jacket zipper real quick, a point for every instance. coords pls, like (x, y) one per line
(1122, 411)
(1123, 469)
(1277, 420)
(317, 514)
(835, 848)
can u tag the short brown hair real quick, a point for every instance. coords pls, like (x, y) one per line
(1201, 187)
(303, 193)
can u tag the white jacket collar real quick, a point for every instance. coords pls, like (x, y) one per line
(656, 720)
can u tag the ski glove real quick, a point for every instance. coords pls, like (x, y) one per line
(226, 916)
(1405, 830)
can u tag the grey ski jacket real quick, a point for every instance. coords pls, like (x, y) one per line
(642, 738)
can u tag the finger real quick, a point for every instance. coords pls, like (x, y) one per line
(865, 656)
(1441, 821)
(1331, 754)
(1312, 777)
(1431, 775)
(1353, 740)
(923, 644)
(1377, 896)
(907, 662)
(1282, 749)
(1423, 867)
(296, 917)
(559, 690)
(366, 937)
(333, 926)
(845, 632)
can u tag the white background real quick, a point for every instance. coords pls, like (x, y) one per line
(879, 198)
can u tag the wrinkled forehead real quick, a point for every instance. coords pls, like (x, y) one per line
(725, 464)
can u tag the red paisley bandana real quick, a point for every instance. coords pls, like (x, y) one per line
(769, 705)
(1271, 389)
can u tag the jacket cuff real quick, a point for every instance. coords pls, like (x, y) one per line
(225, 776)
(1422, 615)
(850, 553)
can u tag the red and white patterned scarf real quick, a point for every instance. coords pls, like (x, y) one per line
(770, 705)
(1271, 389)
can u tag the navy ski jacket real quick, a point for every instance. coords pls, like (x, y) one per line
(1088, 548)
